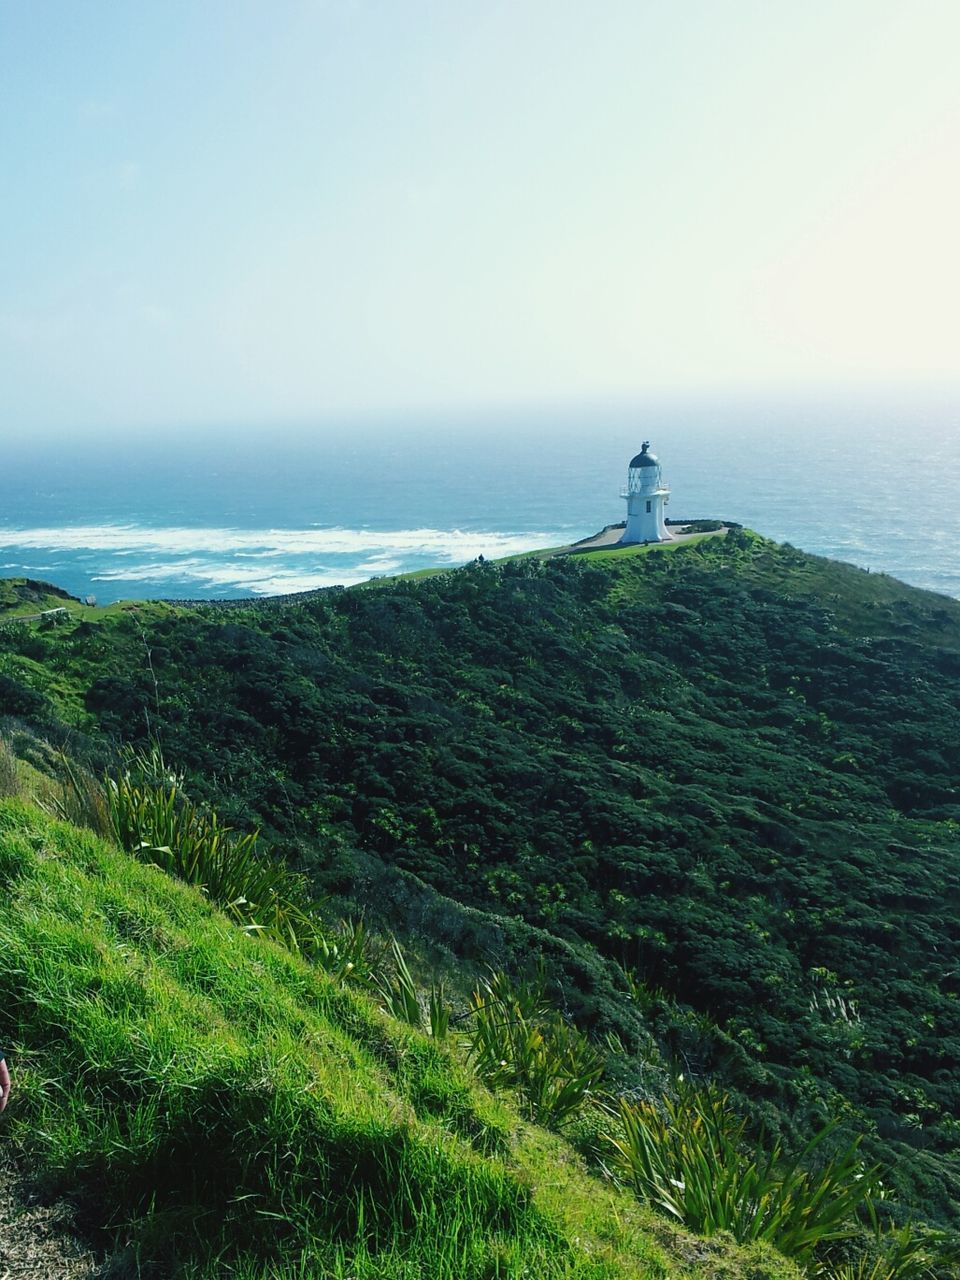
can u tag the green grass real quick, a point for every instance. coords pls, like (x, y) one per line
(24, 598)
(869, 604)
(223, 1109)
(643, 549)
(863, 603)
(546, 553)
(24, 595)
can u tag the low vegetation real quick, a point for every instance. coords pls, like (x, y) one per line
(216, 1106)
(714, 791)
(518, 1040)
(690, 1156)
(686, 1154)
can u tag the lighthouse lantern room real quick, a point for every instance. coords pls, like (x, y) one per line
(647, 494)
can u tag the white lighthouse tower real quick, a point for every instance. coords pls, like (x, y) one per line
(647, 494)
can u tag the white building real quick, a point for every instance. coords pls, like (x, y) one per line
(647, 494)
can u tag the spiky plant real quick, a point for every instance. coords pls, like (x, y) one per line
(690, 1157)
(517, 1039)
(398, 991)
(152, 818)
(347, 953)
(902, 1254)
(438, 1011)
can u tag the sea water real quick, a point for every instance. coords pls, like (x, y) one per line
(175, 514)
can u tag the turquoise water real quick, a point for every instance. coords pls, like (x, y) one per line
(181, 515)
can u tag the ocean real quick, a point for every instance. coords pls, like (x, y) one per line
(253, 513)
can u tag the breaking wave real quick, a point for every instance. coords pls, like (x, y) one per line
(175, 560)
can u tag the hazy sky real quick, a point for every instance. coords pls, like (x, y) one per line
(216, 210)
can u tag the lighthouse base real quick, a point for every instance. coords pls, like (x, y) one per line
(645, 519)
(626, 541)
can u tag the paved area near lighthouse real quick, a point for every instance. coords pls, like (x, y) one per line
(611, 535)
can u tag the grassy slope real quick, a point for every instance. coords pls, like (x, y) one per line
(29, 607)
(601, 553)
(867, 604)
(229, 1110)
(24, 598)
(791, 823)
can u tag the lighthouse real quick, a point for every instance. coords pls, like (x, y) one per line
(647, 494)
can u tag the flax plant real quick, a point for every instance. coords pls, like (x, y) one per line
(402, 1000)
(438, 1011)
(398, 992)
(519, 1041)
(902, 1254)
(690, 1158)
(152, 818)
(347, 953)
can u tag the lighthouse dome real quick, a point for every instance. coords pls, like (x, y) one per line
(644, 458)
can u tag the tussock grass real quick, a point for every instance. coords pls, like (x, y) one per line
(220, 1108)
(79, 797)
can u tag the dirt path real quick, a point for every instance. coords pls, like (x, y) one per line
(37, 1241)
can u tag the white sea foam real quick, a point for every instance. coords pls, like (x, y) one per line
(261, 561)
(211, 575)
(451, 545)
(381, 564)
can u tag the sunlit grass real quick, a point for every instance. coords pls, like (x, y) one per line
(230, 1110)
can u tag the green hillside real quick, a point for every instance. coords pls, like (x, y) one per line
(216, 1106)
(716, 791)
